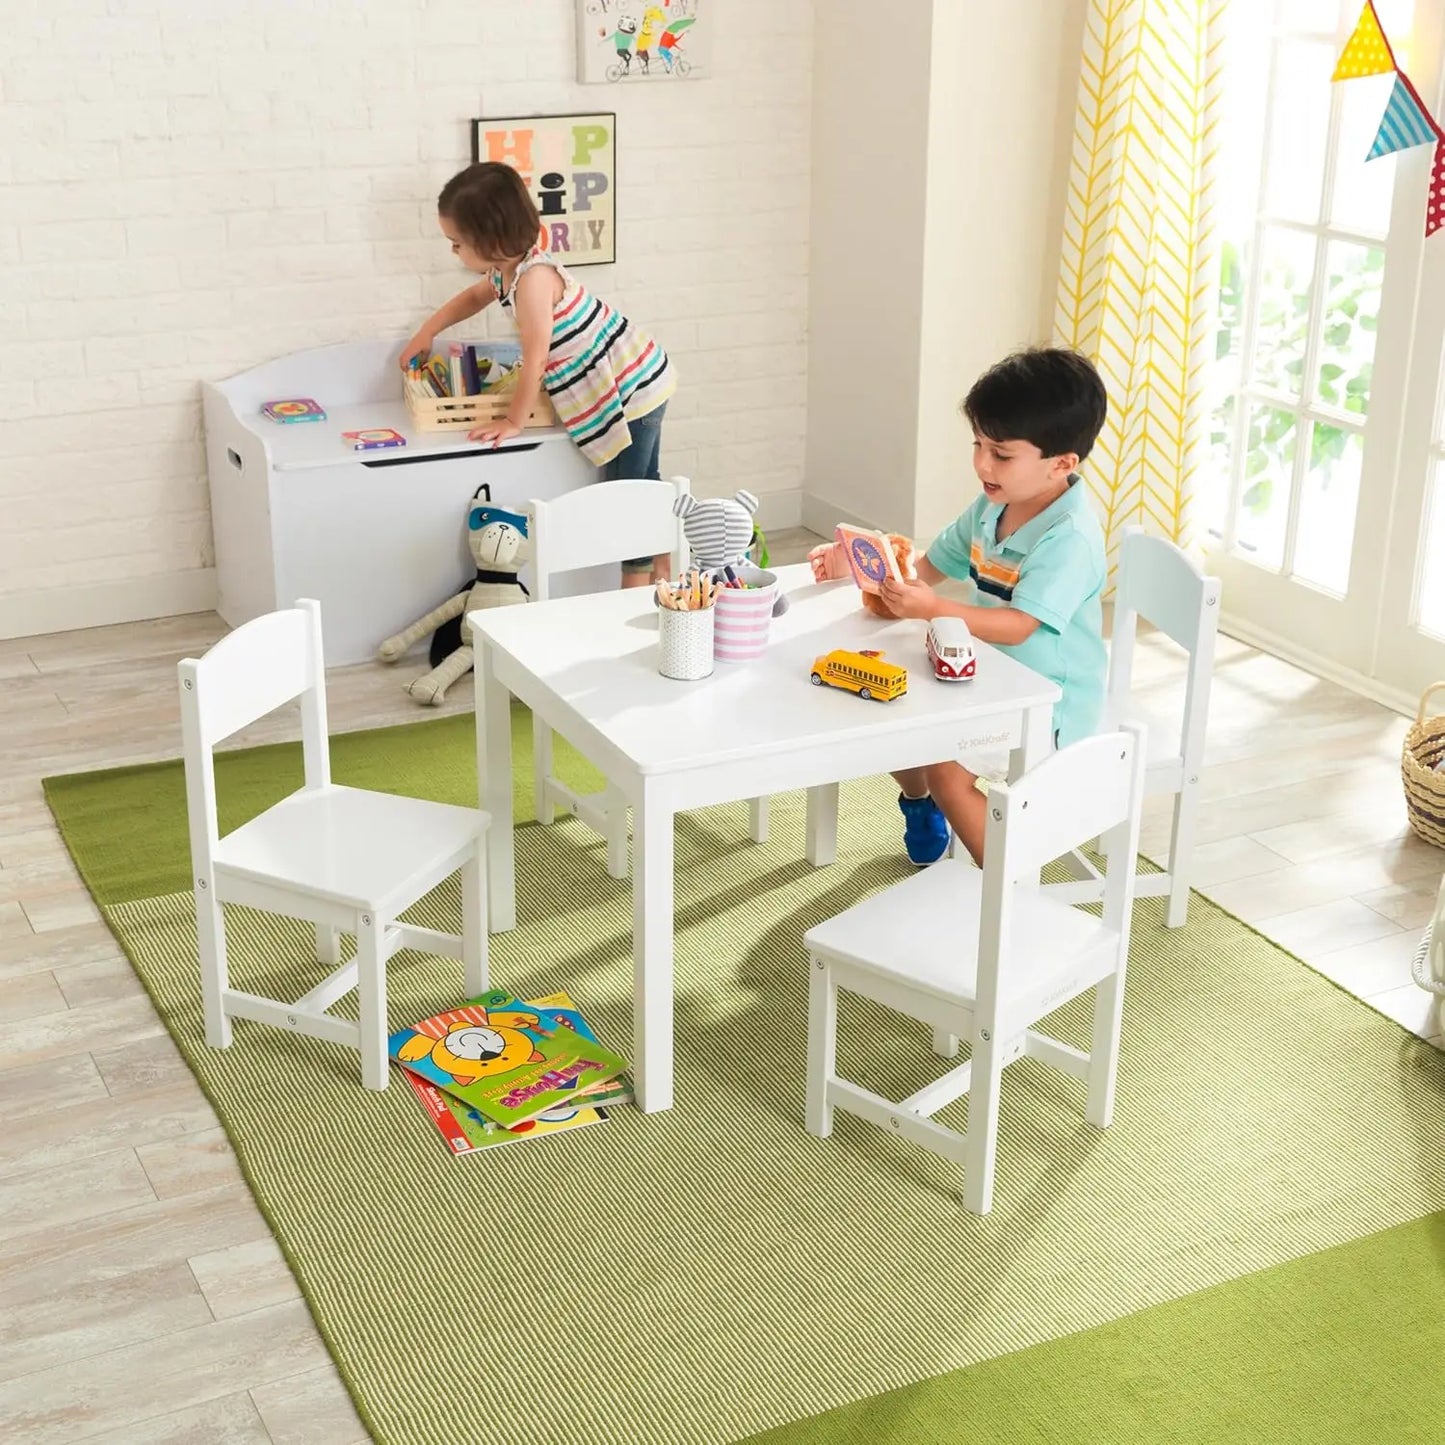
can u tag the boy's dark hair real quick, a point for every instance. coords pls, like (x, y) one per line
(490, 205)
(1046, 395)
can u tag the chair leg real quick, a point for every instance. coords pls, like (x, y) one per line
(328, 944)
(617, 841)
(945, 1045)
(981, 1145)
(211, 946)
(371, 994)
(822, 1046)
(542, 769)
(1104, 1052)
(758, 820)
(1181, 849)
(474, 923)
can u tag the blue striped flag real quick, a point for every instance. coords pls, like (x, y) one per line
(1405, 123)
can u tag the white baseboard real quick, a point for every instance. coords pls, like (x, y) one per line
(1311, 662)
(780, 511)
(100, 604)
(821, 516)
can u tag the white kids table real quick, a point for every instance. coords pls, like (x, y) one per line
(588, 667)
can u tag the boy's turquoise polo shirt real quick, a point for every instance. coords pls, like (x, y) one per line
(1053, 568)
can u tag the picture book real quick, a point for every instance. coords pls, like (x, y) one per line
(371, 439)
(556, 1011)
(495, 1054)
(465, 1131)
(869, 555)
(299, 408)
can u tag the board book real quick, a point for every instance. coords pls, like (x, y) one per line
(293, 409)
(465, 1131)
(375, 438)
(869, 555)
(495, 1054)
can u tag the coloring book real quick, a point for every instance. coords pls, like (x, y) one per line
(466, 1131)
(496, 1054)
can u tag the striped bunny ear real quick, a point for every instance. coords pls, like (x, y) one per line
(746, 500)
(685, 505)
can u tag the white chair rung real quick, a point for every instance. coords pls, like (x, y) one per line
(986, 955)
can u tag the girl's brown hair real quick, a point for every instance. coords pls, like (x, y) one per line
(490, 205)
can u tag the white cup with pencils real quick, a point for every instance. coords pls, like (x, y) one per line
(685, 611)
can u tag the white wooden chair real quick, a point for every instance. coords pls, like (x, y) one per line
(984, 955)
(1158, 582)
(342, 858)
(587, 527)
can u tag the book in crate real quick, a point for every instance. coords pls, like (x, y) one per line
(473, 384)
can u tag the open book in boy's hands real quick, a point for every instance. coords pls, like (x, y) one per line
(869, 556)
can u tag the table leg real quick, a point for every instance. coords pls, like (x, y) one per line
(822, 834)
(1034, 746)
(494, 776)
(652, 922)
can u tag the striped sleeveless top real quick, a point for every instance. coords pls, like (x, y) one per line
(601, 369)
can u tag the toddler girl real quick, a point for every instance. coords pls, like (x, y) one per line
(609, 381)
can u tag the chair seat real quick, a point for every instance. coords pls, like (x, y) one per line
(924, 932)
(352, 846)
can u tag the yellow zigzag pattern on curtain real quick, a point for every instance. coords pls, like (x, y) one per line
(1140, 262)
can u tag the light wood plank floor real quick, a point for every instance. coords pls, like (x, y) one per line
(143, 1297)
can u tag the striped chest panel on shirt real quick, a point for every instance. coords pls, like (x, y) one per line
(993, 576)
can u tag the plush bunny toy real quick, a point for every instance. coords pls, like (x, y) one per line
(499, 546)
(719, 531)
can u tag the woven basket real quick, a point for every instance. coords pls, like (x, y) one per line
(1422, 766)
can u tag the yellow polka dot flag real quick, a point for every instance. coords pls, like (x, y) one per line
(1368, 52)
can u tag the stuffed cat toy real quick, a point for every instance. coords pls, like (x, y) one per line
(829, 565)
(499, 545)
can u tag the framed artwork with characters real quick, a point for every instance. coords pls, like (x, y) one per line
(635, 41)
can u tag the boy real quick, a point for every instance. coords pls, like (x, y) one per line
(1034, 553)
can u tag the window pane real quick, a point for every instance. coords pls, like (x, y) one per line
(1287, 262)
(1211, 492)
(1363, 189)
(1299, 131)
(1315, 17)
(1351, 315)
(1432, 584)
(1264, 498)
(1325, 536)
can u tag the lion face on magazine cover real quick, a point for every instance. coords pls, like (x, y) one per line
(474, 1051)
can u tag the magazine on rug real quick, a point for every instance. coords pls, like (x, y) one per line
(495, 1054)
(465, 1131)
(556, 1010)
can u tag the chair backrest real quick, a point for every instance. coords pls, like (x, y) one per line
(1158, 582)
(1090, 789)
(250, 672)
(606, 522)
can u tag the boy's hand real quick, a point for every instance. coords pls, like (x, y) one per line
(495, 432)
(909, 599)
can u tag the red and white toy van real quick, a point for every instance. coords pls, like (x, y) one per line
(950, 649)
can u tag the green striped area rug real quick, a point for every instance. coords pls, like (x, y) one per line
(714, 1271)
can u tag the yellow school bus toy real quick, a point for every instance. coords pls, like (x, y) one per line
(862, 672)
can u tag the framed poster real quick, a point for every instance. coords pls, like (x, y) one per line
(640, 40)
(569, 163)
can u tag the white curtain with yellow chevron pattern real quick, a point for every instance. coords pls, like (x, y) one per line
(1140, 265)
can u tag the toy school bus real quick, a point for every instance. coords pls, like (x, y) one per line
(862, 672)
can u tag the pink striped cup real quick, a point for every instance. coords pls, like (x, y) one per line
(744, 616)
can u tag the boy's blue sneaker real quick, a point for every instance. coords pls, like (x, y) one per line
(925, 830)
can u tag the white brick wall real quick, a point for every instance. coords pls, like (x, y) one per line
(189, 189)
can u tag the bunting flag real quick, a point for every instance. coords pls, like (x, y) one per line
(1406, 122)
(1435, 215)
(1368, 52)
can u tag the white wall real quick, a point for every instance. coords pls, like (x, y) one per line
(187, 189)
(984, 96)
